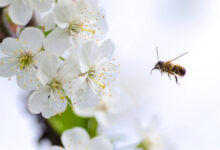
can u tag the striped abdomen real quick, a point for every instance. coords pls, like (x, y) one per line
(179, 70)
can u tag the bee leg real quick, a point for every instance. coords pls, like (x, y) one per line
(169, 76)
(176, 80)
(161, 73)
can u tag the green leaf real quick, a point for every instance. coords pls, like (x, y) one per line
(69, 119)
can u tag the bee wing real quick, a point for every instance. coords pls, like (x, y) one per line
(178, 56)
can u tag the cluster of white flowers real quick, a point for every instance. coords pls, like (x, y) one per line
(67, 64)
(67, 61)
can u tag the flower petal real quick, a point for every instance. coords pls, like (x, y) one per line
(70, 69)
(47, 112)
(105, 50)
(101, 143)
(32, 39)
(97, 23)
(38, 99)
(104, 118)
(48, 22)
(64, 13)
(10, 46)
(56, 148)
(19, 12)
(84, 97)
(88, 5)
(119, 98)
(75, 138)
(42, 5)
(88, 99)
(57, 41)
(8, 67)
(84, 112)
(101, 26)
(87, 53)
(48, 68)
(27, 79)
(54, 105)
(4, 3)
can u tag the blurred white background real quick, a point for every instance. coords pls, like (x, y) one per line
(189, 113)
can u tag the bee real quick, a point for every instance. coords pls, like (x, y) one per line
(169, 67)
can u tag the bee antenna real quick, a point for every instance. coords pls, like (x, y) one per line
(157, 53)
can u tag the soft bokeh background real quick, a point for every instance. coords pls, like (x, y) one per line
(189, 113)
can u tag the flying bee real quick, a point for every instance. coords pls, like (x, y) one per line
(169, 67)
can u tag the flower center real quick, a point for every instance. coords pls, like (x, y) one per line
(57, 86)
(93, 76)
(76, 27)
(25, 59)
(146, 144)
(100, 76)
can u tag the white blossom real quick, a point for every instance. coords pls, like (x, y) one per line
(21, 57)
(21, 11)
(109, 107)
(96, 73)
(152, 137)
(77, 21)
(78, 139)
(56, 79)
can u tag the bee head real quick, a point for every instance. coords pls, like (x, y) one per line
(158, 65)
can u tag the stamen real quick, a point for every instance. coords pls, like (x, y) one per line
(62, 97)
(88, 30)
(57, 86)
(25, 59)
(97, 82)
(76, 27)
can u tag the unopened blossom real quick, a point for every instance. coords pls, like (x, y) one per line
(56, 79)
(21, 11)
(77, 21)
(109, 108)
(21, 57)
(78, 139)
(96, 73)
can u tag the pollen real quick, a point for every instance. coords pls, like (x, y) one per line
(55, 85)
(75, 27)
(25, 59)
